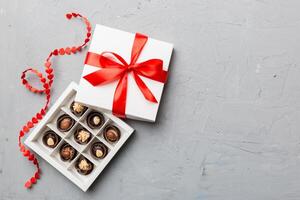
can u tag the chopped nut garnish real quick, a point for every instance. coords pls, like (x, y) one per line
(83, 135)
(84, 165)
(77, 107)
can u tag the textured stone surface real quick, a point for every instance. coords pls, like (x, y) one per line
(228, 126)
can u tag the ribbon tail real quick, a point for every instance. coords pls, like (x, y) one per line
(144, 89)
(139, 42)
(120, 97)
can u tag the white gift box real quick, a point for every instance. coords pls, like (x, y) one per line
(121, 42)
(52, 155)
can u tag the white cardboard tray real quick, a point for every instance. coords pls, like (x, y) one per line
(61, 106)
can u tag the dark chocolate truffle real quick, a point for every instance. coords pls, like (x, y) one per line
(98, 150)
(84, 166)
(77, 109)
(95, 120)
(67, 152)
(82, 136)
(111, 133)
(65, 123)
(50, 139)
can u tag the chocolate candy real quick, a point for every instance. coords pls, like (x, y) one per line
(67, 152)
(98, 150)
(77, 108)
(65, 123)
(50, 139)
(82, 136)
(95, 120)
(84, 166)
(111, 133)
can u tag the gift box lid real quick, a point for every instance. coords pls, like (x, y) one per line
(106, 39)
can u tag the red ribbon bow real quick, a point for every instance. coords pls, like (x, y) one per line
(114, 67)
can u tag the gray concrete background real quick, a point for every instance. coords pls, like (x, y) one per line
(228, 126)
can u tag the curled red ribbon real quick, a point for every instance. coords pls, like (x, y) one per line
(46, 82)
(114, 68)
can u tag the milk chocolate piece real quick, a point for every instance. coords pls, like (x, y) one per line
(77, 108)
(95, 120)
(51, 139)
(111, 133)
(65, 123)
(82, 136)
(84, 166)
(98, 150)
(67, 152)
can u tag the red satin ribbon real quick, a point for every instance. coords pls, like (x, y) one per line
(114, 68)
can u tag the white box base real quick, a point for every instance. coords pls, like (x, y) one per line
(61, 106)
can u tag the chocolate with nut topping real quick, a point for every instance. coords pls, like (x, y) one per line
(67, 152)
(98, 150)
(77, 109)
(65, 123)
(95, 120)
(82, 136)
(50, 139)
(84, 166)
(111, 133)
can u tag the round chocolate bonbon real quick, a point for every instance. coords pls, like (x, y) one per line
(98, 150)
(65, 123)
(67, 152)
(111, 133)
(77, 108)
(84, 166)
(82, 136)
(51, 139)
(95, 120)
